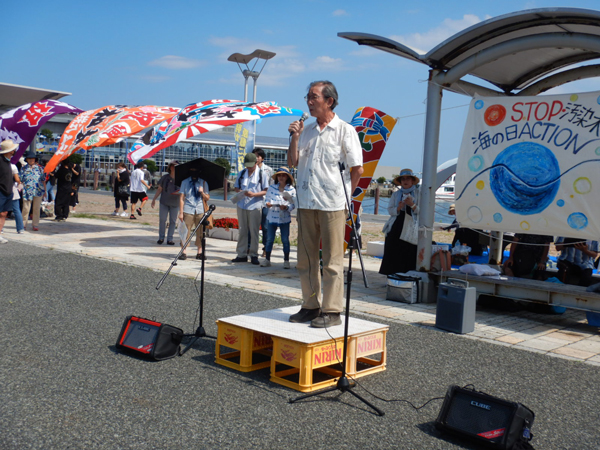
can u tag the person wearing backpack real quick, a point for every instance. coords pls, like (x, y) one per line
(254, 183)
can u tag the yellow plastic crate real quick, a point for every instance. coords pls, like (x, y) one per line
(309, 367)
(248, 346)
(306, 367)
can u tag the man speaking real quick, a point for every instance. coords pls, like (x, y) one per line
(316, 150)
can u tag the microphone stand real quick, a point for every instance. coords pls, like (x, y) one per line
(200, 332)
(343, 384)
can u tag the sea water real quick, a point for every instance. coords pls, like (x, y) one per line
(441, 208)
(368, 206)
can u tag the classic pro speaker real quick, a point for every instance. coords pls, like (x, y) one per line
(488, 420)
(149, 338)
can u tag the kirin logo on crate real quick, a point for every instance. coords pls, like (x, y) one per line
(231, 338)
(367, 345)
(289, 352)
(288, 355)
(262, 341)
(327, 355)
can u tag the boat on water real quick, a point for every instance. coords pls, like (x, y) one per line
(446, 190)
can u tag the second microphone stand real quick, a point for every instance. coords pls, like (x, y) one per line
(343, 384)
(200, 332)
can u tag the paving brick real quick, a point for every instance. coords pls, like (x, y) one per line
(567, 351)
(540, 344)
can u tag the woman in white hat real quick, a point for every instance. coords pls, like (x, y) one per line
(280, 199)
(400, 249)
(7, 150)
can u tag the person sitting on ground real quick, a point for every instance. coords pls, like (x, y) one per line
(34, 188)
(576, 260)
(169, 204)
(528, 256)
(193, 195)
(120, 189)
(279, 215)
(138, 189)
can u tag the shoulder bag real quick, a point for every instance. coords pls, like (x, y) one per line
(210, 224)
(410, 229)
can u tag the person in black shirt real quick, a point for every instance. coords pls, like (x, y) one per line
(64, 190)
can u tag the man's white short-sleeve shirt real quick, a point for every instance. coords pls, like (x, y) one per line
(319, 184)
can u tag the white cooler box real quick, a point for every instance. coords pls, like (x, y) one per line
(402, 287)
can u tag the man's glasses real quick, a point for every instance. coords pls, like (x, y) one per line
(311, 97)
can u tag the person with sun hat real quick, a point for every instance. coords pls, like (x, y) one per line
(7, 150)
(400, 255)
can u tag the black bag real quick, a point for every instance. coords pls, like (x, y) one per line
(124, 190)
(490, 421)
(148, 338)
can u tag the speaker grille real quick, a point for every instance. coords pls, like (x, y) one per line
(141, 336)
(475, 414)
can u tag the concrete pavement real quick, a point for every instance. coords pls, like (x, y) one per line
(562, 336)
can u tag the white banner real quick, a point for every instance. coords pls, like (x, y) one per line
(531, 165)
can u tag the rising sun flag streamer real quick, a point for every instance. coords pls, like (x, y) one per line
(22, 124)
(201, 118)
(374, 128)
(530, 165)
(105, 126)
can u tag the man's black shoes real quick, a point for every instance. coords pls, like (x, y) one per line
(305, 315)
(254, 260)
(326, 320)
(238, 259)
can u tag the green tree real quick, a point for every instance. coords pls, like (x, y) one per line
(151, 165)
(381, 180)
(76, 158)
(224, 163)
(47, 133)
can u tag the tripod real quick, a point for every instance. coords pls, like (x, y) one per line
(200, 332)
(343, 384)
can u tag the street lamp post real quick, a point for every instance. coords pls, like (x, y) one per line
(259, 55)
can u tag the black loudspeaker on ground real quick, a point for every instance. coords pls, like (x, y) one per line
(144, 337)
(488, 420)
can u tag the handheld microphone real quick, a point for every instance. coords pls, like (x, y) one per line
(302, 119)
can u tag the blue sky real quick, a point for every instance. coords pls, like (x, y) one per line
(143, 52)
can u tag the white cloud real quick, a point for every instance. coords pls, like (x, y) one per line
(423, 42)
(327, 63)
(176, 62)
(155, 78)
(340, 12)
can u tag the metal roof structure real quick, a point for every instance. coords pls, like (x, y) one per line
(521, 53)
(505, 50)
(13, 96)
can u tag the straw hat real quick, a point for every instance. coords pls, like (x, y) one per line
(8, 146)
(285, 171)
(406, 173)
(452, 208)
